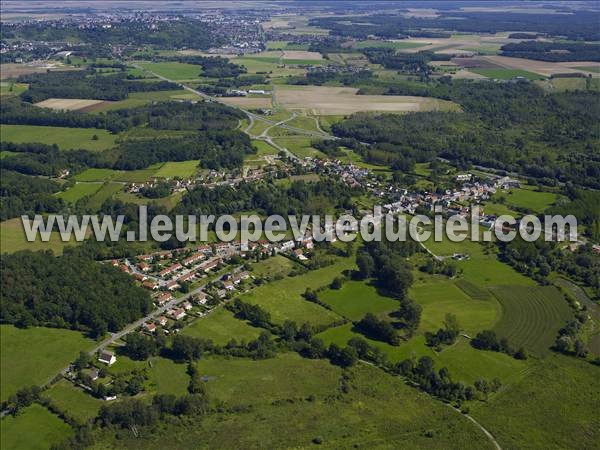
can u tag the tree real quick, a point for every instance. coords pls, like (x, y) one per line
(366, 265)
(580, 348)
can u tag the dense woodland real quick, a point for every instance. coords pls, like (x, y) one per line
(508, 126)
(85, 84)
(70, 292)
(553, 51)
(21, 194)
(580, 25)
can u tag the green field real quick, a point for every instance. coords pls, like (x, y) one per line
(79, 191)
(174, 70)
(441, 297)
(168, 202)
(300, 146)
(379, 411)
(9, 88)
(96, 175)
(221, 327)
(74, 401)
(263, 149)
(555, 406)
(167, 377)
(104, 193)
(34, 429)
(531, 316)
(506, 74)
(65, 138)
(136, 99)
(275, 266)
(12, 239)
(34, 355)
(398, 45)
(595, 69)
(181, 169)
(356, 298)
(136, 176)
(529, 199)
(283, 298)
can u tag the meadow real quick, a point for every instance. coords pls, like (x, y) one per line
(136, 99)
(277, 265)
(526, 197)
(221, 326)
(34, 355)
(174, 70)
(13, 239)
(104, 193)
(555, 406)
(35, 428)
(96, 175)
(181, 169)
(78, 191)
(531, 316)
(65, 138)
(168, 377)
(506, 74)
(283, 299)
(299, 146)
(377, 409)
(74, 401)
(356, 298)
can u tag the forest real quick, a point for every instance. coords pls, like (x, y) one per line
(73, 292)
(22, 194)
(85, 84)
(579, 25)
(507, 126)
(553, 51)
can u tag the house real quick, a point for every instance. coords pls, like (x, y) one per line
(176, 314)
(187, 306)
(211, 264)
(464, 177)
(188, 276)
(145, 258)
(200, 298)
(144, 267)
(192, 259)
(94, 374)
(164, 298)
(107, 358)
(140, 276)
(228, 285)
(162, 321)
(170, 269)
(286, 246)
(237, 278)
(172, 285)
(150, 284)
(108, 398)
(150, 327)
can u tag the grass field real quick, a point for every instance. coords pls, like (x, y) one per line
(79, 191)
(326, 100)
(137, 176)
(67, 104)
(35, 428)
(34, 355)
(174, 70)
(473, 291)
(299, 146)
(379, 411)
(263, 149)
(104, 193)
(182, 169)
(506, 74)
(65, 138)
(531, 316)
(74, 401)
(96, 175)
(274, 266)
(221, 327)
(441, 297)
(558, 406)
(283, 298)
(168, 202)
(356, 298)
(12, 239)
(167, 377)
(527, 197)
(398, 45)
(136, 99)
(10, 89)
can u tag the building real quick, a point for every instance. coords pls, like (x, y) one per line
(162, 321)
(150, 327)
(107, 358)
(177, 314)
(150, 284)
(200, 298)
(164, 298)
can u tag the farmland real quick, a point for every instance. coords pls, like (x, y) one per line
(35, 429)
(13, 239)
(531, 316)
(529, 199)
(67, 104)
(221, 327)
(174, 70)
(506, 74)
(34, 355)
(74, 401)
(325, 100)
(78, 191)
(65, 138)
(104, 193)
(182, 169)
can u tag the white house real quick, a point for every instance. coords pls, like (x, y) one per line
(107, 358)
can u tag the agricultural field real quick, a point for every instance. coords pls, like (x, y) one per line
(137, 176)
(326, 100)
(13, 239)
(68, 104)
(104, 193)
(168, 377)
(283, 298)
(168, 202)
(174, 70)
(299, 146)
(74, 401)
(526, 197)
(65, 138)
(35, 355)
(273, 267)
(373, 416)
(263, 149)
(10, 88)
(221, 326)
(79, 191)
(397, 44)
(531, 316)
(182, 169)
(35, 428)
(356, 298)
(543, 68)
(136, 99)
(248, 102)
(506, 74)
(557, 407)
(96, 175)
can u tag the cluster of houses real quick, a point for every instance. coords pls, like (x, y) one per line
(176, 185)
